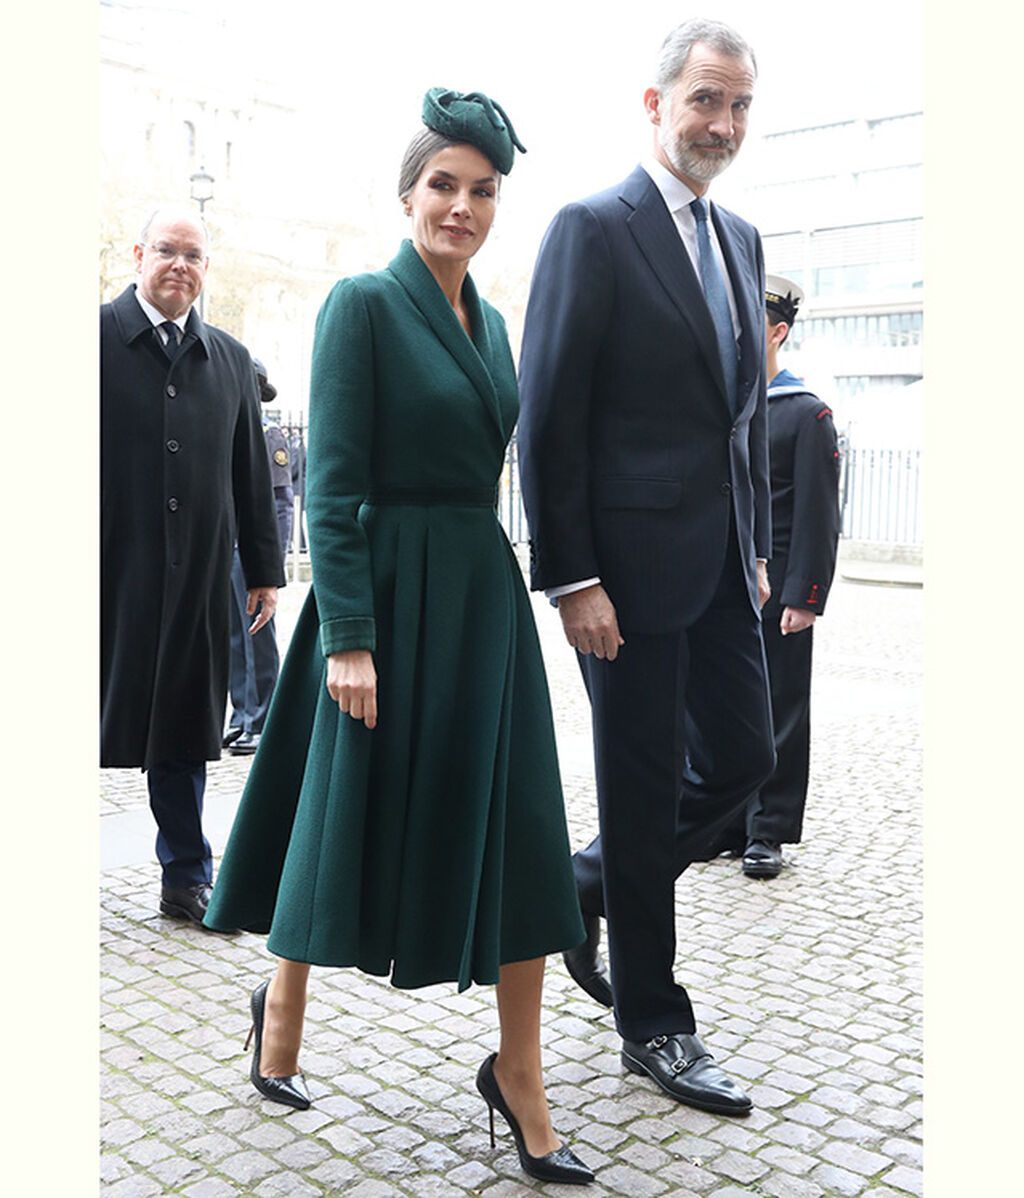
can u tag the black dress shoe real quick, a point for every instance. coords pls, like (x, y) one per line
(246, 745)
(231, 736)
(186, 902)
(562, 1165)
(586, 965)
(684, 1068)
(762, 859)
(291, 1091)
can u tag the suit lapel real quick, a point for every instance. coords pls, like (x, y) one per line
(654, 230)
(743, 276)
(423, 289)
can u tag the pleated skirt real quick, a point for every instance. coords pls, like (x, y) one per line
(433, 848)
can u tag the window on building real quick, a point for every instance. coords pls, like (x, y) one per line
(885, 330)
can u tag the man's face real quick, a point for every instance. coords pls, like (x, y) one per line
(702, 120)
(172, 265)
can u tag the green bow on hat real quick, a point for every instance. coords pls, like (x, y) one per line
(473, 118)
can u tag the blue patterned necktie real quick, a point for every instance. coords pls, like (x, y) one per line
(173, 344)
(717, 301)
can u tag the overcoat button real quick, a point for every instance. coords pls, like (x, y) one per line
(725, 489)
(173, 446)
(172, 391)
(172, 504)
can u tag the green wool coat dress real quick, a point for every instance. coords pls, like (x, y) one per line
(433, 848)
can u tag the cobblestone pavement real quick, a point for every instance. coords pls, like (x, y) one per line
(806, 987)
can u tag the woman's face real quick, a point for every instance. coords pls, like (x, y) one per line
(453, 203)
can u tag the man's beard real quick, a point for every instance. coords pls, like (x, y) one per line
(691, 162)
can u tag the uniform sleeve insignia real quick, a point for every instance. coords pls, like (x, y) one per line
(281, 457)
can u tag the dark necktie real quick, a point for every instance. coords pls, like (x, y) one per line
(173, 345)
(717, 300)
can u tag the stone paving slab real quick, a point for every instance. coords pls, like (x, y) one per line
(807, 987)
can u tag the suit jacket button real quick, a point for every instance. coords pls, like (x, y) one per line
(172, 391)
(172, 505)
(173, 446)
(726, 489)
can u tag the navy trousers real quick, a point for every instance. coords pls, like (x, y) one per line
(176, 799)
(255, 661)
(682, 737)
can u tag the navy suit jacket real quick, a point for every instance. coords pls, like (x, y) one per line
(630, 456)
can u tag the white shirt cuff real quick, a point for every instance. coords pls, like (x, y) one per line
(569, 587)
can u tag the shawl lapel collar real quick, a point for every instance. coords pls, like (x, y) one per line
(472, 355)
(654, 230)
(743, 275)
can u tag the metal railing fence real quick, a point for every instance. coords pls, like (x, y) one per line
(880, 490)
(881, 495)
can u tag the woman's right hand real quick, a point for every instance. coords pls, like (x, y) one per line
(352, 684)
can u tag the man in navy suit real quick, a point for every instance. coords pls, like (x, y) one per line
(644, 460)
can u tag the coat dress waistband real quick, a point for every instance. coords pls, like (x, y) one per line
(433, 497)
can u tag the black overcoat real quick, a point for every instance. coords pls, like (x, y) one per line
(182, 455)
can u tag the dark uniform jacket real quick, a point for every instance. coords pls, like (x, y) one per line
(631, 458)
(182, 455)
(805, 495)
(280, 460)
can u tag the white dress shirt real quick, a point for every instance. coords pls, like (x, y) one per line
(157, 318)
(677, 197)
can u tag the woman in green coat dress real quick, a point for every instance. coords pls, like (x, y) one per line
(404, 812)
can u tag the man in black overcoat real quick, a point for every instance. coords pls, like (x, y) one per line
(644, 461)
(182, 461)
(804, 457)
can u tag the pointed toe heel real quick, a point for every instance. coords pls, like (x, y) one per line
(291, 1091)
(562, 1165)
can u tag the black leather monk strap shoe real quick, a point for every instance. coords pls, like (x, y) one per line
(683, 1068)
(586, 965)
(762, 859)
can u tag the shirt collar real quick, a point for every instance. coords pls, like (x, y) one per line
(674, 191)
(156, 317)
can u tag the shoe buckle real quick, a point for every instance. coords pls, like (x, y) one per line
(680, 1064)
(657, 1042)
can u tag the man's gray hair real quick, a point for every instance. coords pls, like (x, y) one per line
(675, 49)
(164, 210)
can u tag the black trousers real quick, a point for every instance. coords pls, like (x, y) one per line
(776, 812)
(176, 790)
(682, 738)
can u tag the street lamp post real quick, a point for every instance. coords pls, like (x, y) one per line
(202, 193)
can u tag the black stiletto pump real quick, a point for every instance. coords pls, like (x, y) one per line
(561, 1165)
(289, 1090)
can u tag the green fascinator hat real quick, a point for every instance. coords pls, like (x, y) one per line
(473, 118)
